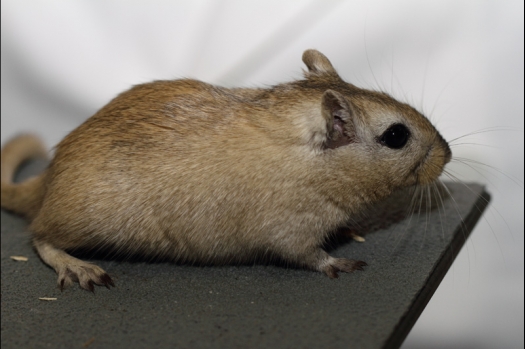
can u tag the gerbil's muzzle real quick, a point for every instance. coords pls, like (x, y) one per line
(447, 151)
(437, 157)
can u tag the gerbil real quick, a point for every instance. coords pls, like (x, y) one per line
(198, 173)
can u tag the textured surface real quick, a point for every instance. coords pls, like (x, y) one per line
(163, 305)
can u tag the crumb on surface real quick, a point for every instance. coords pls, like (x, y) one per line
(19, 258)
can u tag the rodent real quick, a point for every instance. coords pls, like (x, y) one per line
(193, 172)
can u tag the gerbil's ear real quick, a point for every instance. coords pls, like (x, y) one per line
(339, 115)
(317, 63)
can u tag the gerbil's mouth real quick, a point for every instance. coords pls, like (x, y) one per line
(431, 165)
(420, 165)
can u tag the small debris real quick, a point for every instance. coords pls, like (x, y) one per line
(19, 258)
(47, 299)
(88, 343)
(357, 238)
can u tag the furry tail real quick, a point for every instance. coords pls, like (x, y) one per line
(23, 198)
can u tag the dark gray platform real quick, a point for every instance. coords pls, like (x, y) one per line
(163, 305)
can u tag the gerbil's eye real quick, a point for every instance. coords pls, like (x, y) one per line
(395, 137)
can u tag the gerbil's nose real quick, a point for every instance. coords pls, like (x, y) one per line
(446, 148)
(448, 154)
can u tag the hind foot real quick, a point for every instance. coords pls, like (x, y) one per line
(86, 274)
(71, 269)
(335, 265)
(318, 259)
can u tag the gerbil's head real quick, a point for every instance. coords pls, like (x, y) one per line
(380, 141)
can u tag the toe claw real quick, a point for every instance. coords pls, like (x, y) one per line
(107, 281)
(331, 272)
(90, 286)
(360, 265)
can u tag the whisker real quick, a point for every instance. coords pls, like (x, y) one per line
(465, 161)
(409, 209)
(441, 93)
(444, 217)
(472, 143)
(427, 216)
(474, 169)
(463, 226)
(486, 202)
(485, 130)
(367, 56)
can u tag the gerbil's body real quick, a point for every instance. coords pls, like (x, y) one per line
(193, 172)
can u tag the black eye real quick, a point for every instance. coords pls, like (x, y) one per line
(395, 137)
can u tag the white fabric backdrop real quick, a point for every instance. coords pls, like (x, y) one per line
(461, 62)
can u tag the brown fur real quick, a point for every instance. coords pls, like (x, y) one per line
(194, 172)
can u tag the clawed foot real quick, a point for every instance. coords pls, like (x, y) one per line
(336, 265)
(71, 269)
(86, 274)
